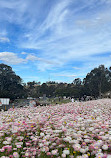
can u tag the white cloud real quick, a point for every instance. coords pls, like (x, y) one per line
(3, 35)
(23, 53)
(13, 59)
(10, 58)
(77, 68)
(35, 58)
(31, 57)
(4, 39)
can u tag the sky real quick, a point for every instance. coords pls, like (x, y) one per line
(55, 40)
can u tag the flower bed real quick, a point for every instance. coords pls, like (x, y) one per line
(81, 129)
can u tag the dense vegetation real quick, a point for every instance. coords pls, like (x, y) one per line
(95, 84)
(77, 130)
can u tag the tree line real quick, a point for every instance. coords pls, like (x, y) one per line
(95, 84)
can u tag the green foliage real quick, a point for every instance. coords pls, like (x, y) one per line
(96, 83)
(10, 83)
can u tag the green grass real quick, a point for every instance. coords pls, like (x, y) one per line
(62, 101)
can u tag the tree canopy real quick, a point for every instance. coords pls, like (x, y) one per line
(96, 83)
(10, 83)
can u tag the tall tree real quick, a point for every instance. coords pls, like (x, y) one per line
(98, 81)
(10, 83)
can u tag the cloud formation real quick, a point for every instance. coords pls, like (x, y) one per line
(66, 32)
(4, 39)
(10, 58)
(13, 58)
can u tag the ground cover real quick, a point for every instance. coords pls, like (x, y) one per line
(79, 129)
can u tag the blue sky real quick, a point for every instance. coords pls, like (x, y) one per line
(56, 40)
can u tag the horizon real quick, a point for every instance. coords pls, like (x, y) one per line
(55, 40)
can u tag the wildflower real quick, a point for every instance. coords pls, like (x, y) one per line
(105, 147)
(5, 142)
(66, 152)
(2, 150)
(77, 147)
(48, 153)
(54, 152)
(82, 150)
(99, 155)
(16, 155)
(63, 155)
(41, 134)
(85, 156)
(27, 154)
(19, 146)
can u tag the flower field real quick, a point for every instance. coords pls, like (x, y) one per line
(80, 129)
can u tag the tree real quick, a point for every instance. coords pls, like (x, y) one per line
(10, 83)
(44, 89)
(97, 81)
(77, 82)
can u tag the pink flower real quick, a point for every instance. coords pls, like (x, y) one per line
(16, 155)
(34, 153)
(48, 153)
(54, 152)
(2, 150)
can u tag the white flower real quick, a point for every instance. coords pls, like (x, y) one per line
(110, 138)
(67, 139)
(5, 142)
(104, 137)
(91, 129)
(47, 143)
(40, 144)
(99, 142)
(63, 155)
(19, 146)
(43, 149)
(87, 140)
(54, 152)
(16, 155)
(54, 144)
(26, 154)
(99, 150)
(82, 150)
(108, 156)
(105, 147)
(109, 132)
(85, 156)
(66, 152)
(9, 139)
(57, 131)
(99, 155)
(83, 128)
(41, 134)
(79, 132)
